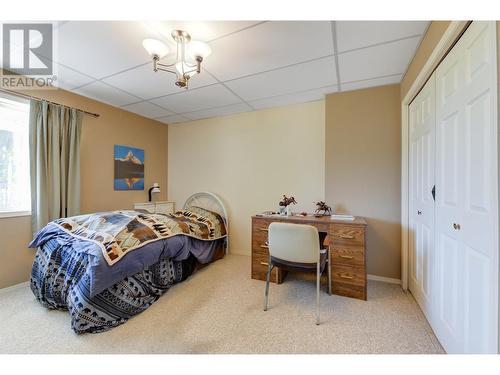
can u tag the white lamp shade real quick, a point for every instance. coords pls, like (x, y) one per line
(155, 47)
(156, 188)
(197, 48)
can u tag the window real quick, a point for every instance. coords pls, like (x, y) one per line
(15, 195)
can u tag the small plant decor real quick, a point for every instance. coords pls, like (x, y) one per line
(285, 202)
(285, 205)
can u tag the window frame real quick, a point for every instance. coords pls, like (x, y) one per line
(12, 214)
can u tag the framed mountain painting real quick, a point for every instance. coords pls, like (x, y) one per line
(129, 168)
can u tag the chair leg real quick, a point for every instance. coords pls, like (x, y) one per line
(268, 277)
(318, 279)
(329, 265)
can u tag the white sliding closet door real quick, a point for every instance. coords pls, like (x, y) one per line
(465, 315)
(422, 174)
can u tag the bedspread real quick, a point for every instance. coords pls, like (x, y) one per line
(117, 233)
(59, 281)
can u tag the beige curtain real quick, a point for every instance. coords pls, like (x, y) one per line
(55, 162)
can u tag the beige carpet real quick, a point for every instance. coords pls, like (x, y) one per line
(219, 310)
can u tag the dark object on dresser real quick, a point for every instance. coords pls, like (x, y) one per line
(322, 208)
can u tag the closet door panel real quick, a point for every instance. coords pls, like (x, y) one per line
(477, 173)
(478, 309)
(449, 298)
(422, 179)
(480, 221)
(466, 202)
(449, 311)
(479, 149)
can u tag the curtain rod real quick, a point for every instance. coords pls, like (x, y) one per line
(15, 93)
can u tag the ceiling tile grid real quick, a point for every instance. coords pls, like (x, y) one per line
(198, 99)
(299, 77)
(293, 98)
(253, 65)
(381, 60)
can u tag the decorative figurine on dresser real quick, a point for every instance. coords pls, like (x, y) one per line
(346, 237)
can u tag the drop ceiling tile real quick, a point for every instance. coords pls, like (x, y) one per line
(147, 110)
(106, 94)
(199, 30)
(382, 81)
(220, 111)
(268, 46)
(173, 119)
(198, 99)
(387, 59)
(69, 79)
(147, 84)
(296, 98)
(295, 78)
(101, 48)
(358, 34)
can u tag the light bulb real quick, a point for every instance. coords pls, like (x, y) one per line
(155, 47)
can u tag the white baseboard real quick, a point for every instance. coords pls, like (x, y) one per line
(389, 280)
(14, 287)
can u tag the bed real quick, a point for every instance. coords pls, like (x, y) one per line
(105, 268)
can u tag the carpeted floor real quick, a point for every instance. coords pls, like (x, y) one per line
(219, 310)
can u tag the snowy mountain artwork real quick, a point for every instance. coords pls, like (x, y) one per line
(129, 168)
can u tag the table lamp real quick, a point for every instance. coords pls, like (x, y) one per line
(154, 189)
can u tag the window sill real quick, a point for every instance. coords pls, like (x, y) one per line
(14, 214)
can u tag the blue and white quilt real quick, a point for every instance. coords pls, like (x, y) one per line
(70, 273)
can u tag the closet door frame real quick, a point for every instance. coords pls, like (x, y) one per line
(451, 35)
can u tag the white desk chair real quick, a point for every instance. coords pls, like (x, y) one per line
(296, 247)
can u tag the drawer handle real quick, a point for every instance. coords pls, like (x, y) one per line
(345, 276)
(264, 246)
(264, 229)
(346, 236)
(264, 264)
(347, 256)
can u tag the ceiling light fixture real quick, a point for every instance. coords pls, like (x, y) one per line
(188, 59)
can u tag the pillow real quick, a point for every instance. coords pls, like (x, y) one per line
(214, 217)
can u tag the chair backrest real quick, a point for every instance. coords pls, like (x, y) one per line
(294, 242)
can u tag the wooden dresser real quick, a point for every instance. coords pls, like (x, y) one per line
(162, 207)
(347, 241)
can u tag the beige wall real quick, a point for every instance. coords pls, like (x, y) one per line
(99, 135)
(363, 168)
(433, 35)
(250, 160)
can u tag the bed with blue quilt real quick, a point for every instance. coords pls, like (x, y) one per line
(107, 267)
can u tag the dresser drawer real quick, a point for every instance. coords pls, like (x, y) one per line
(259, 236)
(260, 248)
(347, 235)
(349, 290)
(348, 275)
(349, 256)
(164, 207)
(260, 264)
(149, 207)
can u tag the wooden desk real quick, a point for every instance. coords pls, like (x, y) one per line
(347, 242)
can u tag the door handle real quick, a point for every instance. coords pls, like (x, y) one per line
(419, 212)
(456, 226)
(433, 192)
